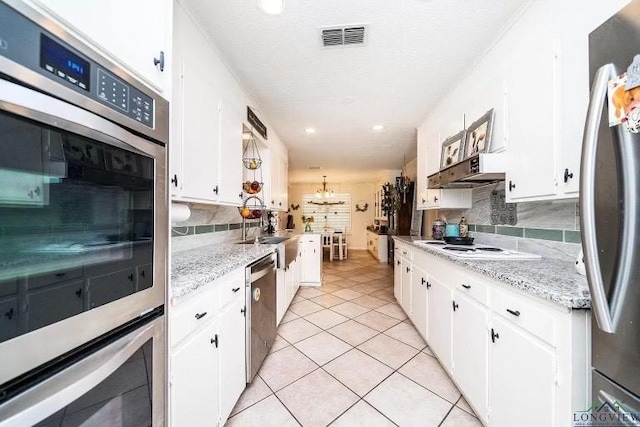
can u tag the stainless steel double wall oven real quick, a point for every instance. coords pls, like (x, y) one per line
(83, 233)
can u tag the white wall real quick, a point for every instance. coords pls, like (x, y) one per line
(359, 220)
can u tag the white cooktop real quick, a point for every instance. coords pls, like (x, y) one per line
(479, 252)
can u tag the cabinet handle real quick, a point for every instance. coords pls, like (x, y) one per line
(235, 289)
(142, 273)
(279, 203)
(514, 312)
(200, 315)
(216, 189)
(214, 340)
(567, 175)
(494, 335)
(423, 281)
(408, 269)
(428, 285)
(174, 180)
(511, 185)
(424, 201)
(78, 293)
(435, 199)
(159, 61)
(398, 262)
(455, 306)
(130, 277)
(9, 314)
(243, 310)
(61, 274)
(466, 286)
(240, 195)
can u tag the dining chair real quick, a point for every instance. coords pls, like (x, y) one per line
(327, 242)
(340, 245)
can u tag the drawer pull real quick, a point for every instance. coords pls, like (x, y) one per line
(428, 285)
(235, 289)
(494, 335)
(130, 277)
(466, 286)
(423, 281)
(79, 293)
(61, 274)
(408, 269)
(200, 315)
(9, 314)
(215, 340)
(455, 306)
(514, 312)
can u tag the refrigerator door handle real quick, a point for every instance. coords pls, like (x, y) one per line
(53, 394)
(599, 303)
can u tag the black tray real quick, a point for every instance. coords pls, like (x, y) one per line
(459, 240)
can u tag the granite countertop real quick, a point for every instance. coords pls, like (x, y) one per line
(192, 269)
(548, 278)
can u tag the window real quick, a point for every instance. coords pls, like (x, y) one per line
(337, 217)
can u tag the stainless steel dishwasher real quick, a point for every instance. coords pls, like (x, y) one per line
(261, 312)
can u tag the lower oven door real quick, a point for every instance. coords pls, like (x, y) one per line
(119, 384)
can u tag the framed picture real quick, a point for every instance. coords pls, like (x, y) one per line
(478, 136)
(452, 150)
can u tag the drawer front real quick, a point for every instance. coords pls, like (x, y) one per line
(525, 313)
(187, 316)
(54, 277)
(405, 252)
(231, 286)
(473, 287)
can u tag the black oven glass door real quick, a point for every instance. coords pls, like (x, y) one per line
(76, 221)
(117, 385)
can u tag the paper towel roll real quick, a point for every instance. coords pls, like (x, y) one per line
(179, 212)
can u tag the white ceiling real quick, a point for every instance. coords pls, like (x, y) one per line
(414, 53)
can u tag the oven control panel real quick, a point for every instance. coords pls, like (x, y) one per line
(31, 46)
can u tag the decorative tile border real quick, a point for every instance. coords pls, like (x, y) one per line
(567, 236)
(213, 228)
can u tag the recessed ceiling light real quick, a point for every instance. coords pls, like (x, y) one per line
(272, 7)
(310, 130)
(314, 168)
(377, 128)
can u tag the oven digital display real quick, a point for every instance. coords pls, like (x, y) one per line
(65, 64)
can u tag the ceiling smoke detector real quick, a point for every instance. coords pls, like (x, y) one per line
(350, 35)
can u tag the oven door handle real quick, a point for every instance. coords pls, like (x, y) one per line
(55, 393)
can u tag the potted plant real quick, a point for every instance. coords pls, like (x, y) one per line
(307, 221)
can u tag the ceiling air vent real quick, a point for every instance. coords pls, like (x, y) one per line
(352, 35)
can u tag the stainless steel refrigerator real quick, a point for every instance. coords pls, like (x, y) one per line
(610, 219)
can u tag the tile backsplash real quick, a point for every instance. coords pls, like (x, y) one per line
(551, 228)
(210, 225)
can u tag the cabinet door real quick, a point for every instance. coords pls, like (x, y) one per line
(406, 286)
(110, 287)
(421, 180)
(8, 319)
(283, 174)
(419, 302)
(133, 33)
(230, 173)
(470, 348)
(54, 303)
(200, 132)
(195, 380)
(288, 285)
(312, 260)
(532, 108)
(439, 323)
(521, 378)
(397, 276)
(232, 356)
(281, 295)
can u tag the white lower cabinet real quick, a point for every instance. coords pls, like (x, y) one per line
(522, 378)
(232, 355)
(311, 259)
(207, 355)
(517, 359)
(419, 300)
(470, 349)
(439, 308)
(287, 284)
(195, 380)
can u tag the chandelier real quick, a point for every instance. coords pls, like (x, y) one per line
(324, 196)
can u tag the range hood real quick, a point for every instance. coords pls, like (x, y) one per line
(478, 170)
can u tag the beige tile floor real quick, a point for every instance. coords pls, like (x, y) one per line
(346, 355)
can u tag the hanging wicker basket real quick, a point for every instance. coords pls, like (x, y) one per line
(252, 208)
(251, 155)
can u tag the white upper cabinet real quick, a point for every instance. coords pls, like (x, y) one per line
(206, 126)
(277, 187)
(536, 78)
(135, 34)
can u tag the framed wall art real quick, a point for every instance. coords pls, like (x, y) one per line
(478, 138)
(452, 150)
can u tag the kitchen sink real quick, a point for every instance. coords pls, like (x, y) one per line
(265, 240)
(286, 247)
